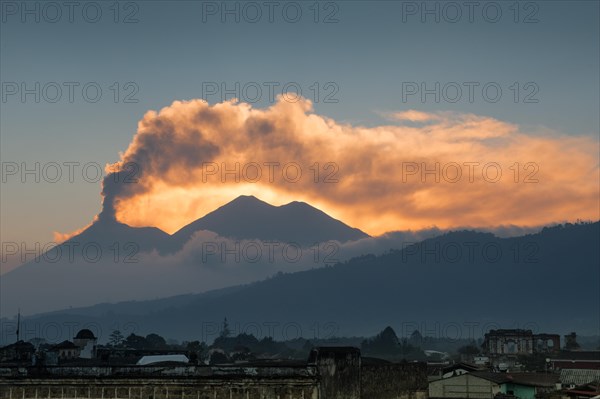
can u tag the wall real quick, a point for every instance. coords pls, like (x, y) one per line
(463, 386)
(330, 373)
(163, 382)
(520, 391)
(148, 388)
(339, 371)
(394, 380)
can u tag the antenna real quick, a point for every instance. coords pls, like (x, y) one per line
(18, 325)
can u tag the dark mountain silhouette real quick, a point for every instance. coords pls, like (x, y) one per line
(109, 260)
(456, 284)
(247, 217)
(107, 232)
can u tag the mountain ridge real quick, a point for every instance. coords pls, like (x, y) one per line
(302, 218)
(111, 261)
(527, 287)
(237, 219)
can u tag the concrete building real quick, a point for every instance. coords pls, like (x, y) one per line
(66, 350)
(504, 346)
(329, 373)
(86, 342)
(584, 391)
(579, 360)
(471, 385)
(18, 352)
(519, 342)
(486, 385)
(459, 369)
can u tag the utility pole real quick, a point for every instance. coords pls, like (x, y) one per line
(18, 324)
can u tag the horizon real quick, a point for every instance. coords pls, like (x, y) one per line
(403, 330)
(313, 164)
(501, 231)
(405, 243)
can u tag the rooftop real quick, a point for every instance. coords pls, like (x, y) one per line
(530, 379)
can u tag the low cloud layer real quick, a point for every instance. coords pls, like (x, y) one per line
(421, 170)
(206, 262)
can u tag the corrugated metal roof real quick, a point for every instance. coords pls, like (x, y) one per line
(162, 358)
(579, 376)
(532, 379)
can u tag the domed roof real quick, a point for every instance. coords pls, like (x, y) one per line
(85, 334)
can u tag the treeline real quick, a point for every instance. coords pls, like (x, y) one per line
(229, 348)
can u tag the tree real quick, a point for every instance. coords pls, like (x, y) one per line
(115, 338)
(37, 342)
(196, 350)
(135, 341)
(224, 340)
(155, 341)
(408, 350)
(386, 342)
(218, 357)
(195, 346)
(416, 338)
(242, 353)
(225, 332)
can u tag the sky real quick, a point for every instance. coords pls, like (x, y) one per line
(362, 67)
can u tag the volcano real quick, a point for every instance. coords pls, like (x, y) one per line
(247, 217)
(111, 261)
(244, 218)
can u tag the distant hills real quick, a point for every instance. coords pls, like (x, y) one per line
(455, 285)
(111, 261)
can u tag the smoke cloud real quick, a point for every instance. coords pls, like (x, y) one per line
(420, 170)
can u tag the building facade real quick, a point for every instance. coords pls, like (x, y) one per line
(329, 373)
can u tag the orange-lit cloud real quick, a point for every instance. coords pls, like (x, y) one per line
(442, 169)
(59, 237)
(415, 116)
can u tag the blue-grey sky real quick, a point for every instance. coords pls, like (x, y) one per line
(364, 57)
